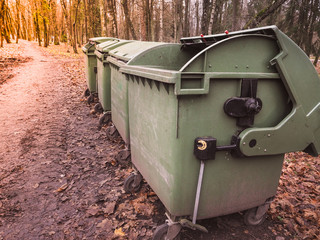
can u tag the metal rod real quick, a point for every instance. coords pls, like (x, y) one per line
(196, 204)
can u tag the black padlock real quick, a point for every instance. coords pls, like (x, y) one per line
(205, 148)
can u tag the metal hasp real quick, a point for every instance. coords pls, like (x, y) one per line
(205, 148)
(246, 106)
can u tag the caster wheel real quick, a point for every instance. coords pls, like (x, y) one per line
(86, 93)
(161, 232)
(123, 157)
(104, 119)
(132, 183)
(250, 217)
(112, 133)
(98, 108)
(90, 99)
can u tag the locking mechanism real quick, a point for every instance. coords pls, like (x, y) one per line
(245, 107)
(205, 148)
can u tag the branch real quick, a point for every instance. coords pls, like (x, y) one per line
(260, 16)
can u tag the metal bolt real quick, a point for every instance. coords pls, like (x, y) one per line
(265, 150)
(210, 65)
(244, 143)
(269, 135)
(247, 66)
(236, 66)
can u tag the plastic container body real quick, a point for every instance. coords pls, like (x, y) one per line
(171, 105)
(124, 55)
(91, 61)
(104, 72)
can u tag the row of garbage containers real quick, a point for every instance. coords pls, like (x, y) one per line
(207, 121)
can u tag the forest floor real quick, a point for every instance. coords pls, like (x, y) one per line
(59, 178)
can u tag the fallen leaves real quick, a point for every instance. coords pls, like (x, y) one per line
(297, 204)
(141, 206)
(10, 56)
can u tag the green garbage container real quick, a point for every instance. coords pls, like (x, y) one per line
(103, 78)
(127, 54)
(91, 64)
(209, 135)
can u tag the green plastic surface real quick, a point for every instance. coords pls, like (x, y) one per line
(91, 61)
(124, 55)
(104, 71)
(172, 104)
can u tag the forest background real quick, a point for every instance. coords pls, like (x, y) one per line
(75, 21)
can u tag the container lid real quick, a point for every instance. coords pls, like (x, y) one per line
(109, 45)
(132, 49)
(90, 46)
(98, 40)
(203, 41)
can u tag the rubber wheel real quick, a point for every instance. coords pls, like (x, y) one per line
(104, 119)
(98, 108)
(90, 99)
(128, 184)
(112, 134)
(123, 158)
(161, 232)
(86, 92)
(250, 217)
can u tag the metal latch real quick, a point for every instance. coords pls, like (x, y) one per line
(205, 148)
(246, 106)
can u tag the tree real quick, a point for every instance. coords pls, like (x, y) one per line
(129, 25)
(206, 13)
(18, 20)
(264, 13)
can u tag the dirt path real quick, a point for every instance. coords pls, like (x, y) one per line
(49, 144)
(58, 177)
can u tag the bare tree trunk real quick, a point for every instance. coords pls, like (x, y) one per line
(186, 29)
(36, 23)
(45, 33)
(66, 17)
(1, 21)
(86, 19)
(53, 4)
(113, 12)
(18, 20)
(197, 18)
(74, 26)
(161, 34)
(129, 25)
(235, 13)
(206, 14)
(148, 9)
(217, 16)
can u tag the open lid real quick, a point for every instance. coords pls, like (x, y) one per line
(201, 42)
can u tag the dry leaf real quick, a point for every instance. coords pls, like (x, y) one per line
(109, 209)
(62, 188)
(119, 233)
(105, 224)
(93, 210)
